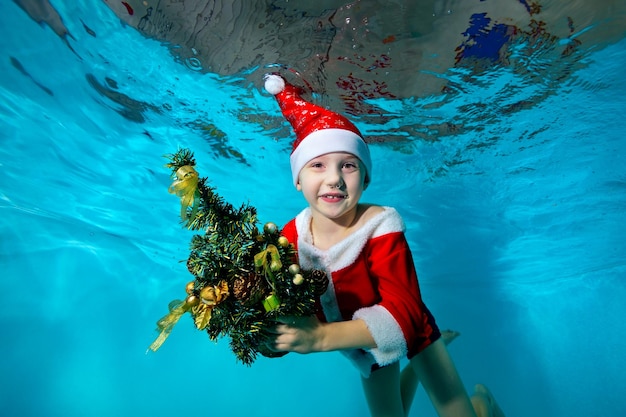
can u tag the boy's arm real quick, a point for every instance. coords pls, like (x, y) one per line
(308, 334)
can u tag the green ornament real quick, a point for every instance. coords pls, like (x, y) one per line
(271, 303)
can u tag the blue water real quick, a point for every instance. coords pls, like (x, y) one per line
(515, 217)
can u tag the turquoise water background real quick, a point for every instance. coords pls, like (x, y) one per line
(517, 227)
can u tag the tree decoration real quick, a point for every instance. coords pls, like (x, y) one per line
(186, 187)
(244, 278)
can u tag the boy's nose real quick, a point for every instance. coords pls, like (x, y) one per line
(335, 180)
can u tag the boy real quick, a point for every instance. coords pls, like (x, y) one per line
(372, 310)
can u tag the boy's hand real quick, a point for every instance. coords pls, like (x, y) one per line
(297, 334)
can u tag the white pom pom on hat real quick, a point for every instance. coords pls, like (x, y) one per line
(318, 130)
(274, 84)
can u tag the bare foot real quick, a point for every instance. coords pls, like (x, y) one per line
(449, 335)
(484, 402)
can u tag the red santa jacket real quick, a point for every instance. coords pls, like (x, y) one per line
(373, 279)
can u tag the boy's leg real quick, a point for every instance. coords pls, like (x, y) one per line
(484, 403)
(441, 380)
(382, 391)
(408, 387)
(409, 380)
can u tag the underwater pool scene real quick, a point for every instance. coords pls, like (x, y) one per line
(496, 129)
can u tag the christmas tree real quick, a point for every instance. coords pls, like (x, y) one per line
(244, 278)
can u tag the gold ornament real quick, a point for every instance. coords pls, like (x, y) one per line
(283, 241)
(192, 300)
(270, 228)
(298, 279)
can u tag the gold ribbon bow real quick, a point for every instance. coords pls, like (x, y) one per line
(261, 260)
(186, 187)
(201, 309)
(272, 301)
(210, 296)
(167, 323)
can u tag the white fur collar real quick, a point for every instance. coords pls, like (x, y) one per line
(345, 252)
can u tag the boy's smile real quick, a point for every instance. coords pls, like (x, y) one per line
(333, 197)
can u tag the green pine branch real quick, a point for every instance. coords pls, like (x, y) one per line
(226, 252)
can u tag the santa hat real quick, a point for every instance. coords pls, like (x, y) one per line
(318, 130)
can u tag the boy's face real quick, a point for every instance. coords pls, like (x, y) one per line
(332, 184)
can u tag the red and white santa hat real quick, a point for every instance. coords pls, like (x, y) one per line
(318, 130)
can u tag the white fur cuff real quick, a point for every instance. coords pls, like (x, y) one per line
(389, 338)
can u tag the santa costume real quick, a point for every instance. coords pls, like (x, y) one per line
(372, 273)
